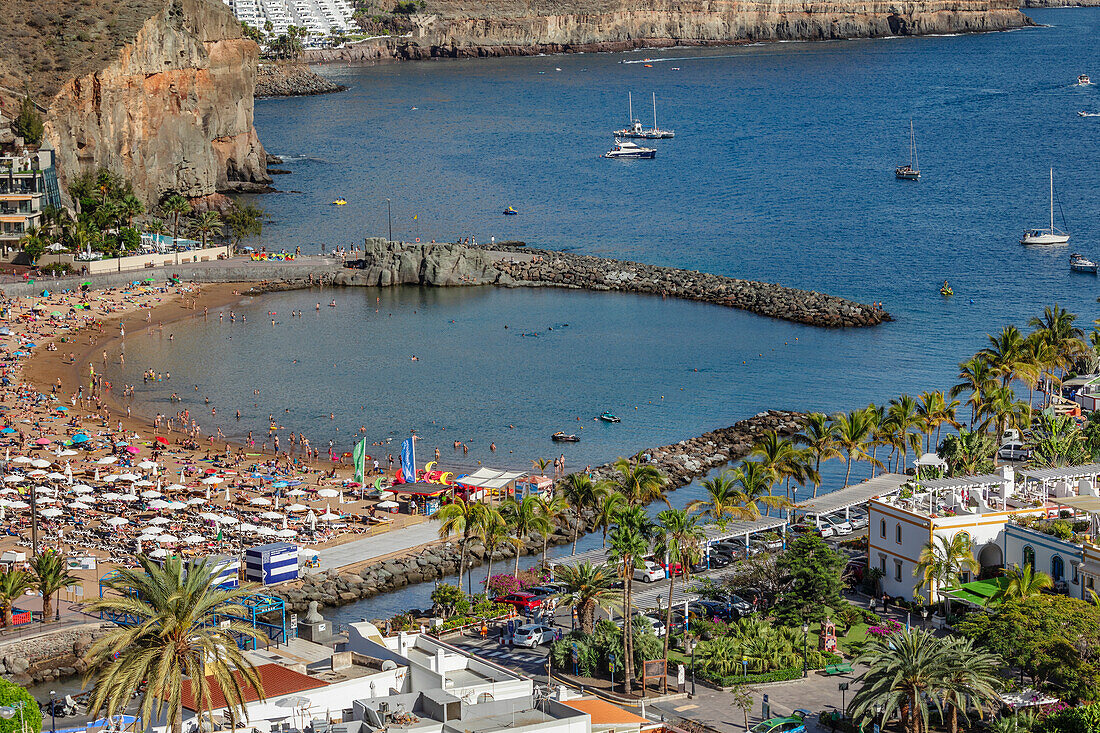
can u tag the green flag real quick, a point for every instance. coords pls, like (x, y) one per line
(358, 459)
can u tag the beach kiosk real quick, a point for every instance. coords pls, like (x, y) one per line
(420, 498)
(272, 563)
(227, 571)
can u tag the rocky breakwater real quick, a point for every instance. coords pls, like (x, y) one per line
(395, 263)
(291, 80)
(681, 463)
(48, 656)
(171, 109)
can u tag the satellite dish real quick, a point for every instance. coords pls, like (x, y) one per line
(388, 665)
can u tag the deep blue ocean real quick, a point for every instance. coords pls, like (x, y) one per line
(781, 170)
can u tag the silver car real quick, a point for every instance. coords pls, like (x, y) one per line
(531, 635)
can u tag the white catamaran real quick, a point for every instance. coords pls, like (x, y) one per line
(910, 172)
(637, 131)
(1046, 236)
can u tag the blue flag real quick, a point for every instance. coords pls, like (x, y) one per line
(408, 460)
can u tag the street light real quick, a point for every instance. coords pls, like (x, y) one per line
(691, 643)
(805, 645)
(924, 612)
(7, 712)
(469, 578)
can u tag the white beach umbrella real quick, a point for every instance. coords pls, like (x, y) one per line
(297, 508)
(260, 501)
(117, 521)
(160, 520)
(196, 501)
(228, 520)
(159, 553)
(151, 494)
(159, 504)
(129, 477)
(167, 539)
(36, 473)
(143, 483)
(45, 500)
(46, 491)
(50, 513)
(127, 497)
(110, 478)
(267, 532)
(83, 489)
(174, 487)
(295, 492)
(176, 505)
(328, 493)
(14, 478)
(147, 465)
(151, 532)
(329, 517)
(9, 491)
(40, 463)
(194, 539)
(286, 533)
(210, 516)
(111, 496)
(22, 459)
(246, 527)
(105, 460)
(55, 476)
(19, 505)
(66, 452)
(212, 480)
(271, 515)
(78, 505)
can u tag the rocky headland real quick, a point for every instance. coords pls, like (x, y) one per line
(395, 263)
(681, 462)
(291, 80)
(452, 29)
(159, 91)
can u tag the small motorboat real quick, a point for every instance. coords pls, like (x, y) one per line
(1088, 114)
(1083, 80)
(608, 417)
(630, 150)
(560, 437)
(340, 202)
(1077, 263)
(510, 211)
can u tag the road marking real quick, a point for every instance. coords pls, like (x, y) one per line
(682, 708)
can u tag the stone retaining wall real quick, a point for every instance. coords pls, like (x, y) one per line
(681, 462)
(48, 656)
(395, 263)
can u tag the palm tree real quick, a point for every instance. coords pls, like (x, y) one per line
(525, 519)
(243, 222)
(738, 494)
(129, 207)
(971, 678)
(587, 587)
(540, 464)
(206, 223)
(186, 627)
(968, 453)
(1023, 582)
(976, 376)
(495, 532)
(156, 226)
(580, 492)
(50, 576)
(932, 413)
(778, 454)
(755, 482)
(678, 538)
(942, 561)
(176, 206)
(903, 413)
(608, 505)
(639, 483)
(903, 677)
(466, 518)
(1056, 327)
(819, 437)
(629, 544)
(550, 509)
(13, 584)
(1005, 353)
(853, 434)
(1039, 358)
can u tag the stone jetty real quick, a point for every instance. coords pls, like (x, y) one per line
(396, 263)
(681, 462)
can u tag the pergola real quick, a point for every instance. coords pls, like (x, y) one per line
(844, 499)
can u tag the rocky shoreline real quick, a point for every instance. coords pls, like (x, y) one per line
(48, 656)
(291, 80)
(395, 263)
(681, 462)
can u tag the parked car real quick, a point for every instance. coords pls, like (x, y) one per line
(856, 568)
(708, 609)
(524, 601)
(780, 725)
(544, 592)
(649, 572)
(826, 529)
(739, 605)
(734, 550)
(1013, 451)
(531, 635)
(840, 524)
(653, 621)
(677, 568)
(718, 561)
(857, 518)
(762, 544)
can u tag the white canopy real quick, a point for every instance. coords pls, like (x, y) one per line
(487, 478)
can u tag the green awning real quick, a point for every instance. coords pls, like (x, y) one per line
(978, 592)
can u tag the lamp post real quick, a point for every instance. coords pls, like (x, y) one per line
(805, 645)
(692, 643)
(7, 712)
(924, 613)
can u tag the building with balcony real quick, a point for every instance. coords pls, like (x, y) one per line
(980, 508)
(28, 183)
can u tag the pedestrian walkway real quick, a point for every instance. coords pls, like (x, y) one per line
(369, 548)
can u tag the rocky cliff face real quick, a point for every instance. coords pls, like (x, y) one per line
(466, 28)
(172, 111)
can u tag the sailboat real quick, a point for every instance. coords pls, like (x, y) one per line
(910, 172)
(637, 131)
(1046, 236)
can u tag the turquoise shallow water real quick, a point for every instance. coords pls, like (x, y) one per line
(782, 170)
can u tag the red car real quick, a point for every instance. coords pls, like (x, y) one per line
(677, 568)
(523, 601)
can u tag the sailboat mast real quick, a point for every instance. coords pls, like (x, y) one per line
(654, 111)
(1051, 200)
(913, 147)
(630, 106)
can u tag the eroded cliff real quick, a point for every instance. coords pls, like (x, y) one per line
(466, 28)
(170, 106)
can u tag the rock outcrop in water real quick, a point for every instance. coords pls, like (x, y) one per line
(291, 80)
(448, 28)
(395, 263)
(165, 97)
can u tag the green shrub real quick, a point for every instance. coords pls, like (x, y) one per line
(12, 694)
(1081, 719)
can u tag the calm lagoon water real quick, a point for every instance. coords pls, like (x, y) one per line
(781, 170)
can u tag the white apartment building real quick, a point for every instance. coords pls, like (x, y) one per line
(320, 17)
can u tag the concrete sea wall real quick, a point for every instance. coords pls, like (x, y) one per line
(681, 462)
(395, 263)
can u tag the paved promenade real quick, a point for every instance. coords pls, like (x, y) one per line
(369, 548)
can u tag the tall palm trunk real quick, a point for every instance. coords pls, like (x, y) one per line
(462, 556)
(545, 542)
(628, 636)
(668, 611)
(47, 606)
(817, 471)
(848, 474)
(517, 562)
(576, 531)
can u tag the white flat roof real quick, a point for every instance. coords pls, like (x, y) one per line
(1053, 474)
(488, 478)
(849, 496)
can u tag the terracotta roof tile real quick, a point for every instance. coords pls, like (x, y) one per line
(276, 679)
(604, 713)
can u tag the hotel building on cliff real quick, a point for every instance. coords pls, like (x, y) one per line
(320, 17)
(28, 183)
